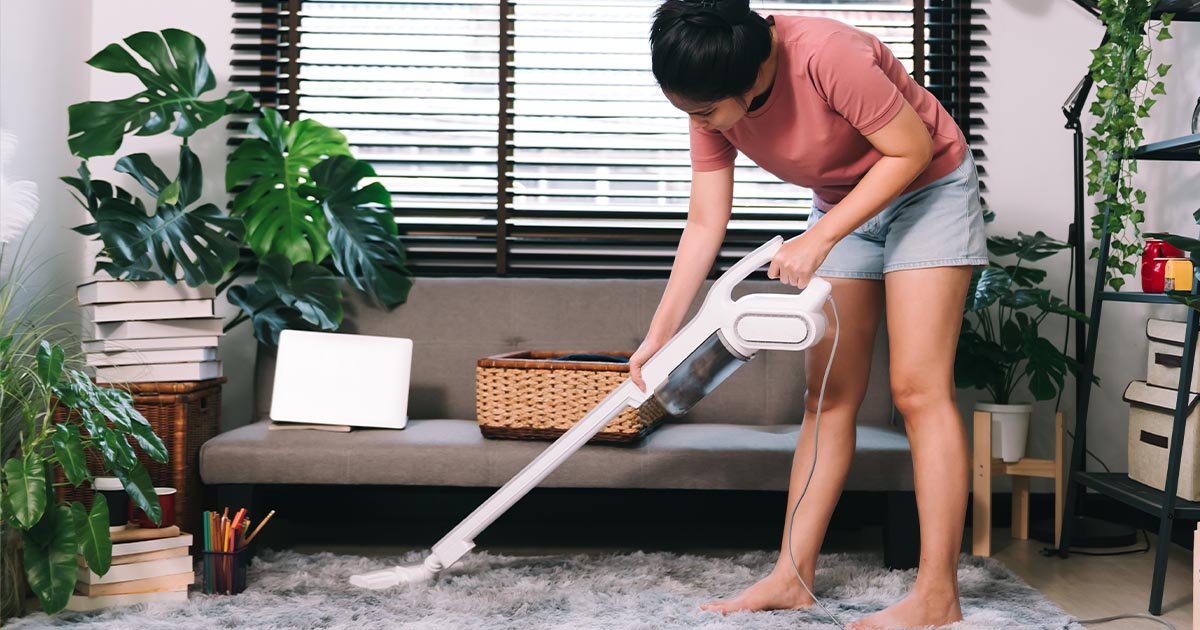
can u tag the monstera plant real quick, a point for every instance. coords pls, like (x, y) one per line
(305, 216)
(1001, 345)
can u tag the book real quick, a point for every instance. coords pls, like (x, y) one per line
(83, 603)
(105, 292)
(148, 329)
(148, 585)
(157, 372)
(132, 533)
(135, 547)
(163, 343)
(145, 556)
(138, 357)
(136, 571)
(135, 311)
(284, 426)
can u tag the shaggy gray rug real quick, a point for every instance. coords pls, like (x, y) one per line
(642, 591)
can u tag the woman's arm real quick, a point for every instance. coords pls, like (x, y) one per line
(708, 216)
(907, 149)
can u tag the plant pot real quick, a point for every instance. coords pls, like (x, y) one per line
(12, 574)
(1010, 429)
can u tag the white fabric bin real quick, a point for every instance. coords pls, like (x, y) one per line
(1166, 354)
(1151, 415)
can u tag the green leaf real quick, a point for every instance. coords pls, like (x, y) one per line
(362, 231)
(177, 76)
(50, 559)
(50, 361)
(1159, 88)
(1025, 276)
(992, 283)
(92, 195)
(281, 213)
(311, 290)
(69, 449)
(141, 490)
(91, 533)
(1022, 298)
(267, 312)
(202, 241)
(169, 196)
(1166, 18)
(1026, 246)
(1163, 68)
(25, 488)
(1164, 35)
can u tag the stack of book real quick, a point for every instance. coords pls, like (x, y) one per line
(149, 331)
(148, 565)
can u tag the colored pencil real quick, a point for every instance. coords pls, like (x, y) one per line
(260, 526)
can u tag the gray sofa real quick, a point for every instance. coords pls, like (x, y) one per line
(741, 437)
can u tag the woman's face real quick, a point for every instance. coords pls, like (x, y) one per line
(710, 116)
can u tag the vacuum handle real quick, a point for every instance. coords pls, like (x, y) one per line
(723, 287)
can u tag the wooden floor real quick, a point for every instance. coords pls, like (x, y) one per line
(1092, 587)
(1084, 586)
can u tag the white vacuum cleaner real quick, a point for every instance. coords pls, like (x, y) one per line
(724, 335)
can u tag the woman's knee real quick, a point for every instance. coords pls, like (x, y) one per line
(838, 398)
(918, 393)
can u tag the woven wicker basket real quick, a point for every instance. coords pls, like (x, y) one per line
(184, 416)
(524, 395)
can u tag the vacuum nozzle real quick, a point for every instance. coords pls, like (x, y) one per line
(395, 576)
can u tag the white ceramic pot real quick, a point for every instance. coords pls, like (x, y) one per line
(1010, 429)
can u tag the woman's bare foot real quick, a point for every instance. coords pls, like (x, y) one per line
(914, 611)
(777, 591)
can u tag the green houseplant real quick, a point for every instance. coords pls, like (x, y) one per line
(304, 216)
(38, 381)
(1000, 346)
(1126, 83)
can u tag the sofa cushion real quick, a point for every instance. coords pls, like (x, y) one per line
(453, 453)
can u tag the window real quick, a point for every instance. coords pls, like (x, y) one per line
(559, 156)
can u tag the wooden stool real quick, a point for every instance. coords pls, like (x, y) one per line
(984, 468)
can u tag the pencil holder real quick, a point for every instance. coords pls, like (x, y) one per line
(224, 572)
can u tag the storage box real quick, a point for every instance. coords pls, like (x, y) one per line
(1166, 354)
(1151, 416)
(530, 395)
(184, 415)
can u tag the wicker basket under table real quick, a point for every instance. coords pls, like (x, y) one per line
(524, 395)
(184, 415)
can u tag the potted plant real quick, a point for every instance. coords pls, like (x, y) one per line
(1000, 346)
(1126, 83)
(37, 380)
(304, 217)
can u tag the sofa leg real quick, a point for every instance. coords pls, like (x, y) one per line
(901, 531)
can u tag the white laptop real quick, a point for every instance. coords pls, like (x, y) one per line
(341, 379)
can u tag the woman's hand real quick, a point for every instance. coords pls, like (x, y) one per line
(649, 346)
(797, 260)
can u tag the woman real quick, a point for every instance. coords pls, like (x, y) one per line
(897, 223)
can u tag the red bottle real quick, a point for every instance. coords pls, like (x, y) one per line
(1153, 267)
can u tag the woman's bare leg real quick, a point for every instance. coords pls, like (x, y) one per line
(859, 304)
(924, 313)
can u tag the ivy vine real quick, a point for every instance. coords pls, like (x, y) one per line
(1121, 68)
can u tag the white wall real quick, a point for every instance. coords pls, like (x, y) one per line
(41, 63)
(1037, 51)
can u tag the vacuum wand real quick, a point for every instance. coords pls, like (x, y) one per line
(723, 336)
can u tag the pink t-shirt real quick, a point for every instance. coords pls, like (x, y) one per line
(835, 85)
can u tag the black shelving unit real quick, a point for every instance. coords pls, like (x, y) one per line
(1161, 503)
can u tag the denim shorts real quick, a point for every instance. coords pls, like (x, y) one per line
(938, 225)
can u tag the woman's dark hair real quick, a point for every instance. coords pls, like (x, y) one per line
(708, 50)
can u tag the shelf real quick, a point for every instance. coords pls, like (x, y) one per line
(1184, 10)
(1181, 149)
(1134, 494)
(1137, 296)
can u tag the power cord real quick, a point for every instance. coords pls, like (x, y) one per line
(1144, 616)
(816, 433)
